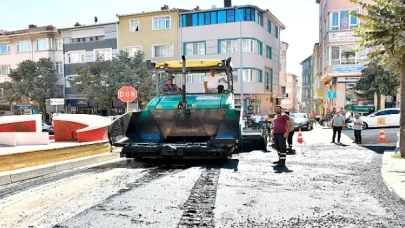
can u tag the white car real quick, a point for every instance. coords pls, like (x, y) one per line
(391, 116)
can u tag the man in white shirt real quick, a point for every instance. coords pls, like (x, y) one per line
(357, 127)
(211, 82)
(256, 121)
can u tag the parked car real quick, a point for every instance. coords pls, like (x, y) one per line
(47, 128)
(301, 120)
(391, 115)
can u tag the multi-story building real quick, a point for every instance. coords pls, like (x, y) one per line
(316, 85)
(341, 59)
(154, 33)
(292, 100)
(307, 84)
(280, 96)
(83, 44)
(215, 33)
(33, 44)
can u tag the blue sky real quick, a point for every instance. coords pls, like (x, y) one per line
(299, 16)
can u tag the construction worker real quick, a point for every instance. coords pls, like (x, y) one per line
(280, 132)
(291, 134)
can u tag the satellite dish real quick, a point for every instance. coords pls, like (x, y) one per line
(95, 19)
(213, 7)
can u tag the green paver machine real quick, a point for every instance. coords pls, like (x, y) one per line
(183, 125)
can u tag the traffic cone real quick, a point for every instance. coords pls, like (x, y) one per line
(300, 139)
(382, 136)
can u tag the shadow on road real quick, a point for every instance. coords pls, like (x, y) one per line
(282, 169)
(379, 149)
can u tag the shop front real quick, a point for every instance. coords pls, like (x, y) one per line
(86, 106)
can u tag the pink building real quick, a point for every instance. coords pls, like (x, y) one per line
(340, 62)
(293, 93)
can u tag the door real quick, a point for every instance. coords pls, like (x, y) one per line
(372, 120)
(395, 116)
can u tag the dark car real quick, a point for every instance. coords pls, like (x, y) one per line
(301, 120)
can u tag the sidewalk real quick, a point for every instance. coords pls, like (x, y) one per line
(393, 173)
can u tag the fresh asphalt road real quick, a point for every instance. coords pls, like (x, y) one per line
(370, 136)
(324, 185)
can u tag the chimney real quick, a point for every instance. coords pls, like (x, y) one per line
(32, 26)
(164, 7)
(227, 3)
(197, 8)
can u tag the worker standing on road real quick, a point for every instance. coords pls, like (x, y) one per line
(280, 132)
(338, 122)
(357, 127)
(291, 134)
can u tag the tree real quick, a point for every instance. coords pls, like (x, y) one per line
(34, 81)
(102, 79)
(383, 31)
(377, 80)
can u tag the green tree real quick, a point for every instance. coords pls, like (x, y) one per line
(382, 29)
(377, 81)
(102, 79)
(34, 81)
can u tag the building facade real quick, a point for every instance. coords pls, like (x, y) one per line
(316, 85)
(282, 75)
(33, 44)
(84, 44)
(199, 38)
(292, 101)
(307, 84)
(340, 58)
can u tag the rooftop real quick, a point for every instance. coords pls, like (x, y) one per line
(32, 29)
(79, 26)
(164, 8)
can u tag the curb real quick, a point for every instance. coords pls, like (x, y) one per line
(13, 176)
(387, 179)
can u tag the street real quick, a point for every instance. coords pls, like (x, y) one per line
(370, 136)
(323, 185)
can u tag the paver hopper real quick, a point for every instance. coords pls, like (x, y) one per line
(183, 125)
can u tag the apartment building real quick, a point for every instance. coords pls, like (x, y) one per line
(84, 44)
(307, 84)
(292, 100)
(215, 33)
(32, 43)
(280, 96)
(316, 85)
(340, 58)
(155, 33)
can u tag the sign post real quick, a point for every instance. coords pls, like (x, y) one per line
(56, 102)
(127, 94)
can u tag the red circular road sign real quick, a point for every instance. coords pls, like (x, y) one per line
(127, 94)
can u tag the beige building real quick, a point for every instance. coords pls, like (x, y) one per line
(283, 73)
(155, 33)
(293, 93)
(33, 44)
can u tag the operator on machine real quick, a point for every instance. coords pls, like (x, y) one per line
(211, 82)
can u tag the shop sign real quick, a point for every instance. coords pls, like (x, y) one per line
(347, 69)
(359, 108)
(343, 37)
(21, 107)
(348, 79)
(57, 101)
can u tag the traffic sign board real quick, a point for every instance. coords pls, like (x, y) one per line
(127, 94)
(332, 94)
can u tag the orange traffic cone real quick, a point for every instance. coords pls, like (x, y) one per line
(300, 139)
(382, 136)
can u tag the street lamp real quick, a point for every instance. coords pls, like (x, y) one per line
(240, 58)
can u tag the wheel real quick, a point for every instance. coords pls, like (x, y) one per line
(365, 126)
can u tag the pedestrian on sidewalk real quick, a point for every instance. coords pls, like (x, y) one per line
(357, 127)
(291, 134)
(280, 132)
(338, 122)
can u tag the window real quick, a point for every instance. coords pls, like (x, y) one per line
(269, 26)
(269, 52)
(24, 46)
(134, 25)
(87, 39)
(248, 75)
(195, 78)
(259, 48)
(276, 33)
(4, 70)
(43, 44)
(248, 45)
(228, 46)
(58, 67)
(103, 54)
(197, 48)
(346, 55)
(259, 18)
(132, 51)
(162, 51)
(76, 57)
(341, 20)
(259, 76)
(4, 48)
(1, 92)
(57, 44)
(230, 15)
(269, 80)
(160, 23)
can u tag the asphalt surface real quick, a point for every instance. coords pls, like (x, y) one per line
(324, 185)
(370, 136)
